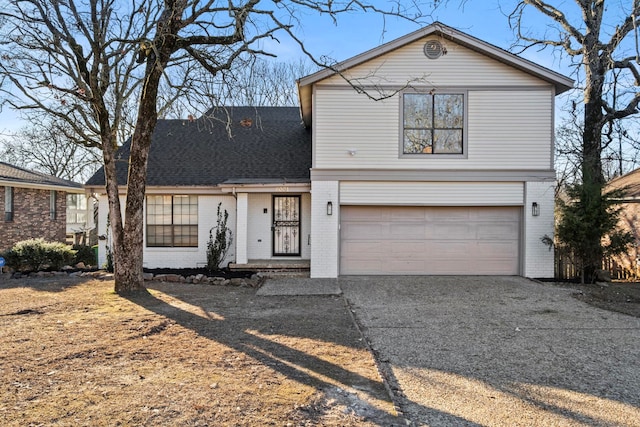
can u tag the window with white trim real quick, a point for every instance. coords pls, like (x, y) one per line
(172, 221)
(433, 123)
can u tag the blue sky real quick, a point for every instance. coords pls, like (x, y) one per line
(356, 33)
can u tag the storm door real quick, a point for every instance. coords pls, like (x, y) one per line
(286, 225)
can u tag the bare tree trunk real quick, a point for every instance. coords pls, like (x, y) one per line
(592, 176)
(128, 276)
(109, 147)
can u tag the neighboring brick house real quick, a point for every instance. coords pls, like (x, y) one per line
(629, 219)
(32, 205)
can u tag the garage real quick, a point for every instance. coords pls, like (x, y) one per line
(380, 240)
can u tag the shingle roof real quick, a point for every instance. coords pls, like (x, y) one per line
(267, 144)
(12, 174)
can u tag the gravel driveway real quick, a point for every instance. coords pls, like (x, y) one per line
(499, 351)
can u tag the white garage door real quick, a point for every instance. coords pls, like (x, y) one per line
(429, 240)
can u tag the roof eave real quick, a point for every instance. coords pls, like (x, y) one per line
(40, 186)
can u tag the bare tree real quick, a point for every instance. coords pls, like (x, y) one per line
(620, 153)
(267, 83)
(606, 59)
(75, 59)
(47, 146)
(260, 82)
(601, 39)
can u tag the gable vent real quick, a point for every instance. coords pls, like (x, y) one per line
(433, 49)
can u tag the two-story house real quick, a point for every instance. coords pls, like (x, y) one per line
(431, 154)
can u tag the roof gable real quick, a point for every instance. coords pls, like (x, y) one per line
(559, 82)
(19, 177)
(239, 144)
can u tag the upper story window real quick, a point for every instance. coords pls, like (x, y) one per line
(172, 221)
(8, 204)
(433, 123)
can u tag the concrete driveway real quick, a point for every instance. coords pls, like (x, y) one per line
(498, 351)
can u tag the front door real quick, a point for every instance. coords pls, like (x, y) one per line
(286, 225)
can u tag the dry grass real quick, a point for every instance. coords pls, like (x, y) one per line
(73, 353)
(622, 297)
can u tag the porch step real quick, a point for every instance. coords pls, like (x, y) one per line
(281, 267)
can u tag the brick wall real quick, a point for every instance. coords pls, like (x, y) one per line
(31, 217)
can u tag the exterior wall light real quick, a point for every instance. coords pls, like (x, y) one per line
(535, 209)
(329, 208)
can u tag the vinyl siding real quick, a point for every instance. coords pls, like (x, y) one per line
(432, 193)
(460, 64)
(506, 130)
(511, 129)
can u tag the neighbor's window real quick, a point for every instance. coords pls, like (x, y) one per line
(52, 204)
(8, 203)
(76, 208)
(433, 124)
(172, 221)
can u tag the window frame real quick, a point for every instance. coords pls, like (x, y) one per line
(172, 226)
(53, 211)
(77, 205)
(444, 91)
(8, 204)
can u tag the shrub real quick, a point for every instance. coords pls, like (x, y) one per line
(84, 254)
(589, 227)
(218, 246)
(36, 254)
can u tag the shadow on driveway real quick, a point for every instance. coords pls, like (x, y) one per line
(498, 351)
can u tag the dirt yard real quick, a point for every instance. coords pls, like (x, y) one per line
(73, 353)
(623, 297)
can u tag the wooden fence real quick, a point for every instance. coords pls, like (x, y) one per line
(566, 268)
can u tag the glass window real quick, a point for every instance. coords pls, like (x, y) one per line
(172, 221)
(8, 204)
(76, 217)
(433, 124)
(76, 208)
(76, 201)
(53, 197)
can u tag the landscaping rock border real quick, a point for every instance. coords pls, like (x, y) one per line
(255, 281)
